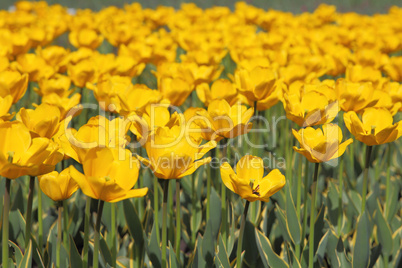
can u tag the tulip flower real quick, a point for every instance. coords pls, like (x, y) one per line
(321, 145)
(14, 84)
(138, 98)
(58, 186)
(176, 90)
(249, 181)
(220, 89)
(44, 121)
(55, 56)
(310, 105)
(256, 84)
(97, 132)
(355, 96)
(85, 38)
(34, 66)
(59, 84)
(64, 104)
(173, 153)
(376, 126)
(224, 121)
(81, 73)
(22, 155)
(394, 68)
(109, 175)
(5, 105)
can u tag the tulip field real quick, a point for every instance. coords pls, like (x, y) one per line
(200, 137)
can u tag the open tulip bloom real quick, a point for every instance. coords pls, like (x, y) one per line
(249, 181)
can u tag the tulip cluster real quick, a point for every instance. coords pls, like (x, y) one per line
(118, 114)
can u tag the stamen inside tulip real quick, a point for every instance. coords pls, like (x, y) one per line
(255, 190)
(107, 178)
(10, 157)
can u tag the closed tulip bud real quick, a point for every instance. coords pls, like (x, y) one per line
(321, 145)
(58, 186)
(375, 127)
(109, 175)
(249, 181)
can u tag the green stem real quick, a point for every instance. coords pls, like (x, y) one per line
(97, 234)
(65, 220)
(59, 228)
(6, 211)
(312, 218)
(170, 209)
(164, 222)
(86, 232)
(240, 240)
(388, 182)
(40, 218)
(340, 203)
(365, 178)
(193, 207)
(306, 177)
(208, 191)
(224, 226)
(298, 197)
(352, 158)
(178, 220)
(156, 209)
(113, 249)
(29, 211)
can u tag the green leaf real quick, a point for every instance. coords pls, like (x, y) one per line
(154, 249)
(105, 251)
(322, 247)
(133, 222)
(250, 247)
(394, 201)
(198, 261)
(75, 257)
(268, 256)
(173, 262)
(17, 252)
(27, 260)
(212, 229)
(292, 222)
(361, 251)
(221, 255)
(383, 232)
(344, 262)
(282, 223)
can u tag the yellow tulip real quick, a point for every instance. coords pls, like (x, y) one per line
(97, 132)
(321, 145)
(394, 68)
(355, 96)
(256, 84)
(85, 38)
(34, 66)
(174, 152)
(59, 84)
(220, 89)
(82, 73)
(138, 98)
(21, 155)
(44, 121)
(176, 90)
(126, 66)
(65, 104)
(109, 175)
(58, 186)
(55, 56)
(376, 126)
(14, 84)
(224, 121)
(310, 105)
(5, 105)
(249, 181)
